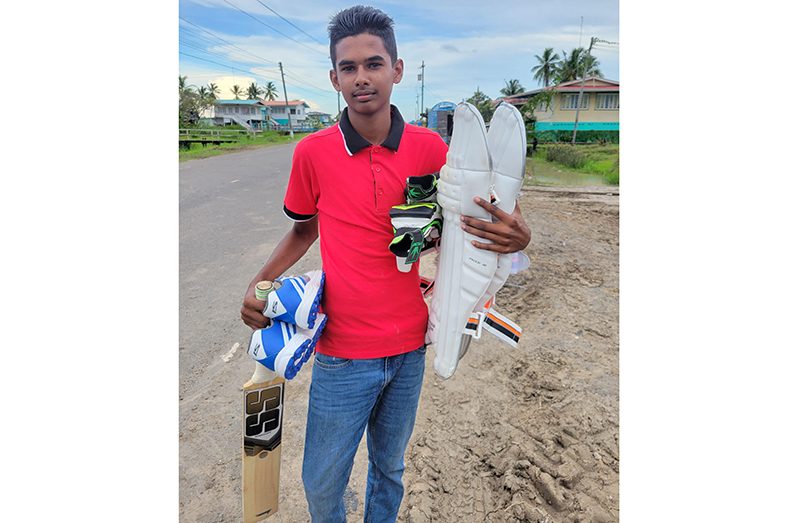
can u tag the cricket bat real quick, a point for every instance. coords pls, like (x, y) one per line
(263, 427)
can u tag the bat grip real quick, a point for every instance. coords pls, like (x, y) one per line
(262, 374)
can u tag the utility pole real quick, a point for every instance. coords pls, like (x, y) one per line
(422, 91)
(581, 89)
(287, 108)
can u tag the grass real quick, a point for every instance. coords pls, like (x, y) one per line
(265, 138)
(591, 164)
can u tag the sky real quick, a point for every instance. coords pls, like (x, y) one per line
(464, 45)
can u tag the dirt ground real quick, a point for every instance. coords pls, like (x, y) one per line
(531, 434)
(516, 435)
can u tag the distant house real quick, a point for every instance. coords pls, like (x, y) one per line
(297, 108)
(251, 114)
(318, 120)
(598, 112)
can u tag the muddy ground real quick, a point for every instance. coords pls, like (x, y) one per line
(526, 434)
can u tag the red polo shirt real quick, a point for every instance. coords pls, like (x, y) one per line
(373, 310)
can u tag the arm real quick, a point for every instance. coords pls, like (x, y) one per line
(509, 234)
(291, 248)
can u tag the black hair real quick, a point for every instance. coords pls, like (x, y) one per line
(358, 20)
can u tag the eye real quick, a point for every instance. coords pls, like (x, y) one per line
(374, 65)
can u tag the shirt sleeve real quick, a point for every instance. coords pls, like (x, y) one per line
(302, 193)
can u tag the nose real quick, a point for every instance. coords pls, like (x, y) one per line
(361, 79)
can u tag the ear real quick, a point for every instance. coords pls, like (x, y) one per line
(398, 70)
(334, 80)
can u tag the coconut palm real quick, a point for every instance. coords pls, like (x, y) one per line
(577, 64)
(254, 91)
(570, 67)
(512, 87)
(183, 85)
(213, 90)
(546, 69)
(236, 90)
(590, 66)
(270, 91)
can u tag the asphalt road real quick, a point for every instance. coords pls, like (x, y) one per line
(230, 220)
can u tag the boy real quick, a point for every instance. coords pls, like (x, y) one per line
(369, 362)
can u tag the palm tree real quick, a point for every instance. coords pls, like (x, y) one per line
(270, 91)
(570, 67)
(590, 66)
(512, 87)
(183, 86)
(213, 90)
(576, 65)
(254, 91)
(236, 90)
(546, 69)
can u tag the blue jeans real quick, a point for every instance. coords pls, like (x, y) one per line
(346, 397)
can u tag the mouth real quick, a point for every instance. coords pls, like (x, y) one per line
(364, 96)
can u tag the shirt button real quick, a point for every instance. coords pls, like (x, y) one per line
(378, 169)
(379, 192)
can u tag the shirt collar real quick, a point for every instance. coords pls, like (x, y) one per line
(355, 143)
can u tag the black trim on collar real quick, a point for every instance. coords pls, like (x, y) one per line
(355, 143)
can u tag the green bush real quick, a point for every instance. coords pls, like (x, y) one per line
(566, 155)
(600, 137)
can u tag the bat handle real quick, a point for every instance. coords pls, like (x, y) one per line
(262, 374)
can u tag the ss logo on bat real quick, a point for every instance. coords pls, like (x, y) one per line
(264, 409)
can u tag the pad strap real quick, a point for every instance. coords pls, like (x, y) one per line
(497, 324)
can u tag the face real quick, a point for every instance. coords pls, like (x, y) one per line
(363, 73)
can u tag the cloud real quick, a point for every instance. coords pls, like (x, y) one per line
(464, 45)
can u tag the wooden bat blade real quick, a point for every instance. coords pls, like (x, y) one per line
(260, 458)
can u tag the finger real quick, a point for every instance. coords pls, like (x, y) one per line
(495, 247)
(491, 208)
(484, 233)
(254, 318)
(499, 229)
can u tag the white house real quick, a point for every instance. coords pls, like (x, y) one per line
(251, 114)
(298, 110)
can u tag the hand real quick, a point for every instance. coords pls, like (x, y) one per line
(509, 234)
(252, 311)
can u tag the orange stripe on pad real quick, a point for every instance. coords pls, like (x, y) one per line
(505, 325)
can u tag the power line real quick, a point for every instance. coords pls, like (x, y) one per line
(228, 43)
(226, 66)
(212, 53)
(272, 28)
(291, 75)
(187, 44)
(294, 77)
(288, 21)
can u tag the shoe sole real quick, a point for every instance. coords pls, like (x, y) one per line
(303, 353)
(309, 306)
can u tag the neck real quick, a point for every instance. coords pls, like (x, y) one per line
(373, 127)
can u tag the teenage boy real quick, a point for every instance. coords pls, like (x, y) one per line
(369, 362)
